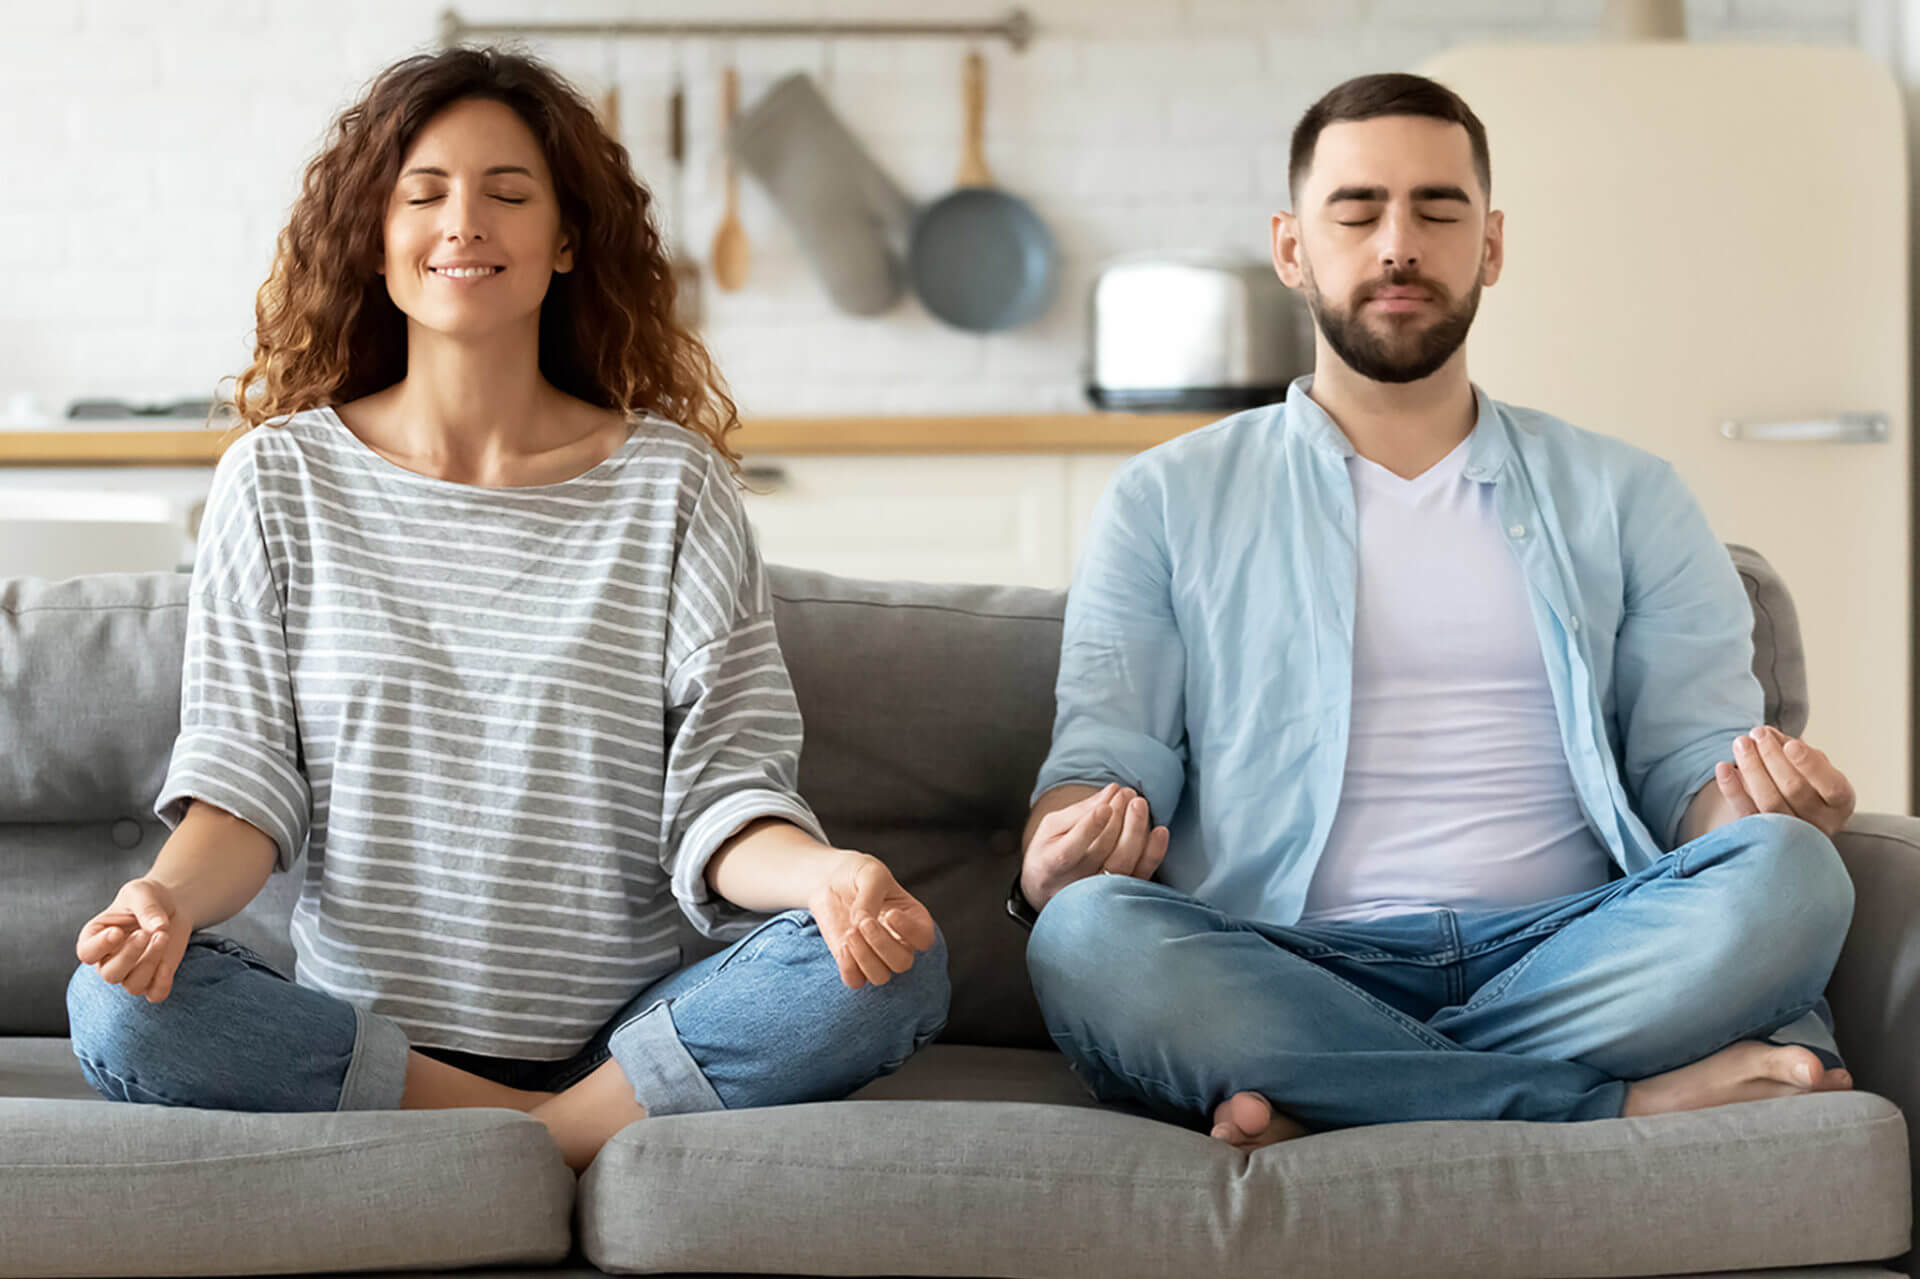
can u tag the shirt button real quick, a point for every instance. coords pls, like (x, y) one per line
(1517, 530)
(1573, 623)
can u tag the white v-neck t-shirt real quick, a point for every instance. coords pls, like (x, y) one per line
(1457, 791)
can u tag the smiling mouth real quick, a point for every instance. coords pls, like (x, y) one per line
(466, 272)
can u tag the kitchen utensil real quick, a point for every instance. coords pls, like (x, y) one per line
(106, 409)
(851, 218)
(980, 258)
(730, 253)
(686, 271)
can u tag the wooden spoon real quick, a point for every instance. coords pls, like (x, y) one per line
(730, 253)
(973, 156)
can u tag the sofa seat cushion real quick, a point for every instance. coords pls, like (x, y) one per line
(35, 1066)
(91, 1187)
(939, 1186)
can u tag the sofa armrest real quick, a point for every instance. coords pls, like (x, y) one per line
(1875, 991)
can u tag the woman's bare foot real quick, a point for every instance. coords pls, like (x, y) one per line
(1248, 1121)
(582, 1117)
(1750, 1070)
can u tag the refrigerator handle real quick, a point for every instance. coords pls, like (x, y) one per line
(1841, 428)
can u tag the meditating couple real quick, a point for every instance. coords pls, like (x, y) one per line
(1406, 762)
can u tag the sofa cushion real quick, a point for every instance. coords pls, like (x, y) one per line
(1779, 658)
(89, 693)
(95, 1188)
(1028, 1189)
(997, 1161)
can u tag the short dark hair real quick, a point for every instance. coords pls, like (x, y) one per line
(1368, 97)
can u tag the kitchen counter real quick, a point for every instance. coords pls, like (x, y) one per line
(184, 444)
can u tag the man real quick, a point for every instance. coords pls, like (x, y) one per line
(1406, 762)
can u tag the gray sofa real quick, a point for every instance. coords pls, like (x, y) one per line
(928, 710)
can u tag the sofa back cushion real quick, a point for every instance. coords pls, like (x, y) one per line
(928, 710)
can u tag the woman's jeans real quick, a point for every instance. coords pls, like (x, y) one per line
(1540, 1012)
(765, 1022)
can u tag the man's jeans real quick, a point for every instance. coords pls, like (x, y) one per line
(1542, 1012)
(765, 1022)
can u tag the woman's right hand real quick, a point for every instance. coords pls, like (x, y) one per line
(136, 942)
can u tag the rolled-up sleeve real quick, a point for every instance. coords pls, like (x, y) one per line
(1684, 686)
(1119, 700)
(733, 726)
(239, 743)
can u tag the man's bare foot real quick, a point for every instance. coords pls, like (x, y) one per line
(582, 1117)
(1750, 1070)
(1248, 1121)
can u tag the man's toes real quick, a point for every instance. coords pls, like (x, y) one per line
(1794, 1065)
(1247, 1121)
(1836, 1080)
(1249, 1112)
(1241, 1117)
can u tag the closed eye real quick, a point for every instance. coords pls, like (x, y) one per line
(505, 199)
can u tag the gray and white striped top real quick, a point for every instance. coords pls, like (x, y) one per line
(509, 726)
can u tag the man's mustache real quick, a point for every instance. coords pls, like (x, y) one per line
(1400, 280)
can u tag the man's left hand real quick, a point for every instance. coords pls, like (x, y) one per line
(872, 926)
(1774, 773)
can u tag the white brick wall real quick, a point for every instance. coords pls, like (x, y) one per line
(149, 149)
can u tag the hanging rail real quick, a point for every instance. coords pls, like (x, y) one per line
(1016, 29)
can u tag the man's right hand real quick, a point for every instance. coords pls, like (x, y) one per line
(138, 941)
(1105, 831)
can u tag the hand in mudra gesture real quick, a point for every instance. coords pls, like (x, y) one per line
(872, 926)
(1109, 831)
(1774, 773)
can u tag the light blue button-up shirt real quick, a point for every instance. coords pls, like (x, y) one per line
(1207, 658)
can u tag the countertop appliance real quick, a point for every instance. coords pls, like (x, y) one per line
(1193, 332)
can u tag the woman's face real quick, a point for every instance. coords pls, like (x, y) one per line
(473, 189)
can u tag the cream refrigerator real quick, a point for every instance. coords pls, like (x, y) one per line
(1706, 255)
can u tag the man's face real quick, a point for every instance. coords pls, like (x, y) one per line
(1391, 242)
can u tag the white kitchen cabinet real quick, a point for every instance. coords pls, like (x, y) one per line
(58, 522)
(1017, 518)
(929, 517)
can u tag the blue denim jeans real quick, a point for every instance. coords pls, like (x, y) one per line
(765, 1022)
(1540, 1012)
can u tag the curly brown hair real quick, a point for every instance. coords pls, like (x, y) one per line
(327, 332)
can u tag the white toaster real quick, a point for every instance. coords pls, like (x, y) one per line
(1193, 332)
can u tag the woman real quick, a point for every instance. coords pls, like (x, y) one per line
(479, 623)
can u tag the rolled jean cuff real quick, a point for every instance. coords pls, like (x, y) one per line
(377, 1073)
(666, 1079)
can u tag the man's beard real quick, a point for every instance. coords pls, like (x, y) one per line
(1406, 356)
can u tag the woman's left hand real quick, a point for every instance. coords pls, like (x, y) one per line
(871, 925)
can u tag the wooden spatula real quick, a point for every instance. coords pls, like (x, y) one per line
(730, 253)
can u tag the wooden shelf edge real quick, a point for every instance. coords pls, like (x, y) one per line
(985, 433)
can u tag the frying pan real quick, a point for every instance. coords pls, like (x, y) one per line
(977, 257)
